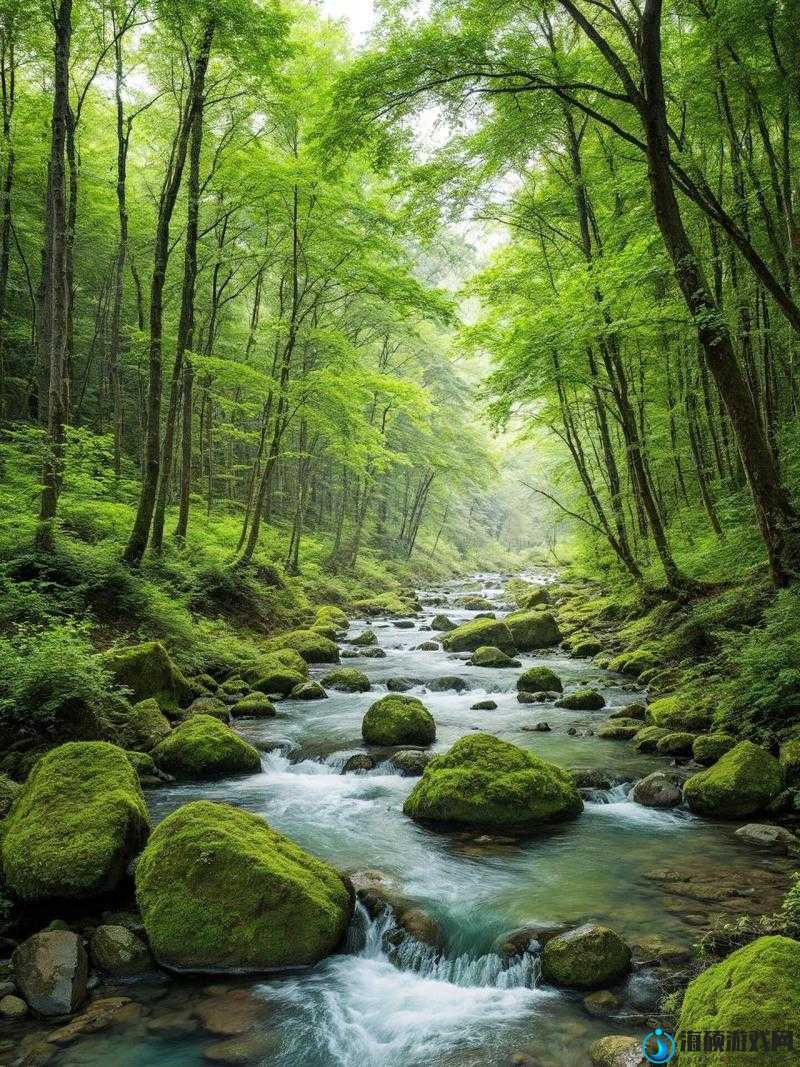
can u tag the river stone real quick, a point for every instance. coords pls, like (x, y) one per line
(202, 747)
(346, 680)
(358, 762)
(230, 1012)
(219, 889)
(484, 705)
(535, 698)
(308, 691)
(617, 1051)
(249, 1049)
(447, 682)
(742, 782)
(147, 670)
(588, 957)
(442, 623)
(12, 1008)
(586, 648)
(630, 711)
(531, 630)
(365, 639)
(313, 647)
(657, 790)
(643, 991)
(253, 706)
(402, 685)
(51, 970)
(678, 743)
(601, 1003)
(217, 709)
(117, 951)
(428, 646)
(582, 700)
(539, 680)
(473, 635)
(374, 653)
(487, 656)
(647, 737)
(619, 729)
(771, 838)
(410, 762)
(708, 748)
(397, 719)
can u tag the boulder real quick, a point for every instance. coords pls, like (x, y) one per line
(675, 744)
(601, 1003)
(388, 604)
(484, 705)
(539, 680)
(447, 682)
(428, 646)
(535, 698)
(359, 761)
(329, 615)
(582, 700)
(202, 747)
(675, 713)
(254, 706)
(647, 737)
(117, 951)
(347, 680)
(586, 648)
(485, 782)
(308, 691)
(442, 623)
(397, 719)
(473, 635)
(487, 656)
(277, 679)
(148, 671)
(374, 653)
(313, 647)
(755, 990)
(405, 624)
(657, 790)
(770, 838)
(402, 685)
(51, 970)
(619, 729)
(742, 782)
(617, 1050)
(365, 639)
(234, 686)
(634, 662)
(533, 629)
(219, 889)
(212, 706)
(9, 791)
(589, 957)
(80, 818)
(140, 726)
(630, 711)
(789, 758)
(535, 598)
(12, 1008)
(410, 762)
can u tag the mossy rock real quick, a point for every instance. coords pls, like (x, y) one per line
(741, 782)
(539, 680)
(78, 821)
(253, 706)
(535, 599)
(618, 729)
(630, 711)
(708, 748)
(313, 647)
(755, 989)
(487, 656)
(207, 681)
(278, 680)
(387, 604)
(147, 670)
(142, 763)
(366, 639)
(473, 635)
(347, 680)
(441, 623)
(9, 791)
(586, 648)
(675, 713)
(308, 691)
(217, 709)
(202, 747)
(233, 685)
(588, 957)
(278, 660)
(675, 744)
(325, 629)
(533, 629)
(220, 890)
(485, 782)
(476, 603)
(329, 615)
(397, 719)
(647, 737)
(635, 662)
(582, 700)
(789, 758)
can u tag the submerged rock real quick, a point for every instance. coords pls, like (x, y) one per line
(742, 782)
(219, 889)
(360, 761)
(484, 705)
(617, 1051)
(51, 970)
(539, 680)
(771, 838)
(202, 747)
(587, 957)
(397, 719)
(601, 1003)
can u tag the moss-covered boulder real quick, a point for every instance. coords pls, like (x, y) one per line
(253, 706)
(278, 680)
(347, 680)
(397, 719)
(487, 656)
(588, 957)
(742, 782)
(630, 711)
(143, 763)
(202, 747)
(536, 598)
(708, 748)
(789, 758)
(77, 822)
(473, 635)
(586, 648)
(147, 670)
(366, 639)
(619, 729)
(485, 782)
(442, 623)
(473, 602)
(677, 713)
(313, 647)
(143, 727)
(634, 662)
(582, 700)
(647, 737)
(233, 686)
(754, 990)
(533, 629)
(675, 744)
(9, 791)
(326, 630)
(329, 615)
(387, 604)
(217, 709)
(219, 890)
(539, 680)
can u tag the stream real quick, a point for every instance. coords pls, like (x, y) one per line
(362, 1008)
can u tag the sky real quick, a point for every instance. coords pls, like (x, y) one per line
(358, 13)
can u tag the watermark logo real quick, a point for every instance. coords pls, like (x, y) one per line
(658, 1046)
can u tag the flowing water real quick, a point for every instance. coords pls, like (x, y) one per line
(466, 1006)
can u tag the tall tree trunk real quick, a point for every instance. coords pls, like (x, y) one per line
(8, 73)
(115, 347)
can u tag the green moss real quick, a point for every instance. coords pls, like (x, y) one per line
(476, 603)
(535, 599)
(677, 743)
(789, 757)
(325, 629)
(634, 663)
(217, 709)
(397, 719)
(219, 889)
(588, 957)
(482, 781)
(386, 604)
(202, 747)
(619, 729)
(582, 700)
(313, 647)
(328, 615)
(473, 635)
(677, 713)
(9, 791)
(586, 648)
(647, 737)
(142, 763)
(347, 680)
(79, 819)
(708, 748)
(742, 782)
(539, 680)
(148, 671)
(755, 989)
(253, 706)
(487, 656)
(232, 686)
(533, 629)
(139, 726)
(279, 680)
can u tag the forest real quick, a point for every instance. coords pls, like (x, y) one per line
(400, 532)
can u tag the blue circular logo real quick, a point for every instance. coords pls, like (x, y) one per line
(658, 1046)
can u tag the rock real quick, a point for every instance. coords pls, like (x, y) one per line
(754, 989)
(588, 957)
(542, 727)
(539, 680)
(254, 706)
(358, 762)
(487, 656)
(536, 598)
(484, 782)
(51, 970)
(442, 623)
(647, 737)
(478, 633)
(404, 624)
(675, 714)
(8, 988)
(617, 1051)
(401, 685)
(217, 709)
(148, 671)
(634, 662)
(308, 691)
(587, 648)
(601, 1003)
(12, 1008)
(99, 1015)
(392, 604)
(643, 991)
(789, 759)
(742, 782)
(484, 705)
(230, 1012)
(234, 686)
(531, 630)
(140, 727)
(619, 729)
(78, 821)
(397, 719)
(535, 698)
(117, 951)
(364, 639)
(219, 889)
(630, 711)
(347, 680)
(657, 790)
(330, 615)
(201, 747)
(249, 1049)
(173, 1025)
(9, 791)
(708, 748)
(410, 762)
(277, 673)
(678, 743)
(770, 838)
(313, 647)
(582, 700)
(374, 653)
(418, 924)
(428, 646)
(593, 778)
(448, 681)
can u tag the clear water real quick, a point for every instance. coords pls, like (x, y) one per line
(360, 1008)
